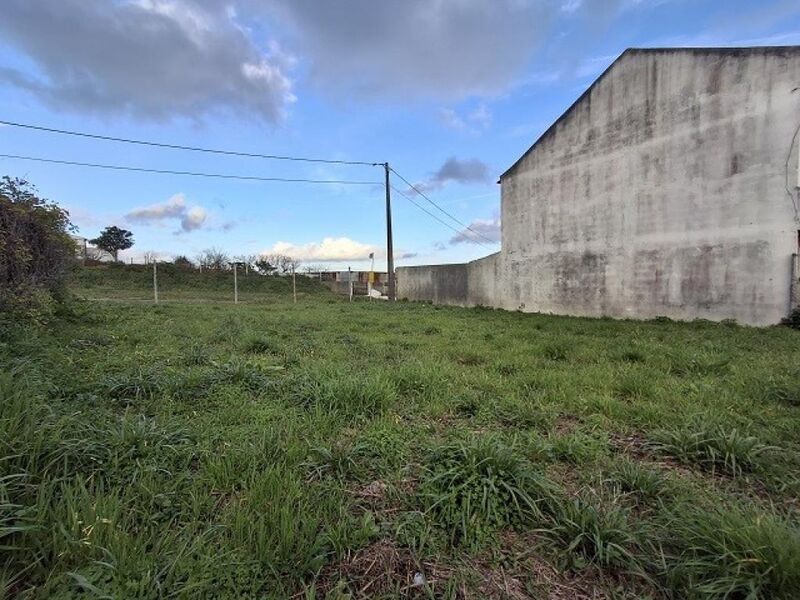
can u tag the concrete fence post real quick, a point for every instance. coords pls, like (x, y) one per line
(155, 282)
(235, 286)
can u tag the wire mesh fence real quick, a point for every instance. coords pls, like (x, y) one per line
(235, 283)
(167, 282)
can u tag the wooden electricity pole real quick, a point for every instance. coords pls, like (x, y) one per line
(389, 250)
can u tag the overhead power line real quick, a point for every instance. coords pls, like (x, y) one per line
(425, 210)
(440, 209)
(109, 138)
(187, 173)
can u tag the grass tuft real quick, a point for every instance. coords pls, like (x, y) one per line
(261, 345)
(472, 489)
(712, 448)
(731, 554)
(595, 532)
(632, 477)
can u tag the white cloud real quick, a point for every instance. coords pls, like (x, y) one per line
(474, 121)
(173, 209)
(194, 218)
(328, 250)
(480, 230)
(152, 58)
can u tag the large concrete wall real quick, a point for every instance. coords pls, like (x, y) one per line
(661, 191)
(469, 284)
(442, 284)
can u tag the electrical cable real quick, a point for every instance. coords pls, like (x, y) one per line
(187, 173)
(418, 191)
(445, 223)
(109, 138)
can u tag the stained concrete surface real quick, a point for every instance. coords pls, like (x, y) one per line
(661, 191)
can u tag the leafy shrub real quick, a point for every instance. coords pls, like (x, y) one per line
(35, 249)
(471, 489)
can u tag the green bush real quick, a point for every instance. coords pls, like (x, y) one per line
(35, 250)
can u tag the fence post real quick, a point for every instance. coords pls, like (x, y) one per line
(350, 282)
(294, 286)
(235, 286)
(155, 282)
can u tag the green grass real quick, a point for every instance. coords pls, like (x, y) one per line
(201, 449)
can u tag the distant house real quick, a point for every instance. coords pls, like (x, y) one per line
(86, 251)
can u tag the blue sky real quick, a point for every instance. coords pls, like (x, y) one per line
(450, 92)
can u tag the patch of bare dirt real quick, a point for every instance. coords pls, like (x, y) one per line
(526, 574)
(376, 569)
(566, 424)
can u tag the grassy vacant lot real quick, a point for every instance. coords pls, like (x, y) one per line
(337, 450)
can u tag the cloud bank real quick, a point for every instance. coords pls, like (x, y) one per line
(333, 249)
(190, 218)
(416, 48)
(328, 250)
(156, 59)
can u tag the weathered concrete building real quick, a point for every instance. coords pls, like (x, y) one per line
(669, 188)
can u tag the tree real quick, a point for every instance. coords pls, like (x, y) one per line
(183, 262)
(113, 239)
(35, 246)
(281, 263)
(213, 259)
(264, 266)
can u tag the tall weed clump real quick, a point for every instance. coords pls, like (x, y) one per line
(472, 489)
(345, 394)
(730, 553)
(712, 448)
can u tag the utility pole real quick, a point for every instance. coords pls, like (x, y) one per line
(389, 250)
